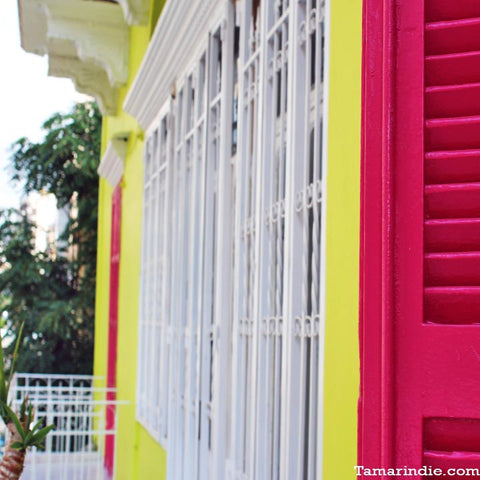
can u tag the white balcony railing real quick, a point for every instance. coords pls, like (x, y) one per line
(85, 420)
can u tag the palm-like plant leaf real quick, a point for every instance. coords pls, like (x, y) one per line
(29, 436)
(33, 437)
(3, 384)
(39, 437)
(13, 417)
(15, 355)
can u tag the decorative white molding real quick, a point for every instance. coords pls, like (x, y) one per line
(135, 11)
(181, 30)
(87, 41)
(113, 161)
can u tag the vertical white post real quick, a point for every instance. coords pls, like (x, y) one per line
(222, 296)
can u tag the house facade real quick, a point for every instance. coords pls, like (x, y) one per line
(288, 231)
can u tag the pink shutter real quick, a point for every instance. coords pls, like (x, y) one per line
(113, 323)
(425, 170)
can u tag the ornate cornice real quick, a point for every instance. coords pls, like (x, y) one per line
(87, 41)
(180, 32)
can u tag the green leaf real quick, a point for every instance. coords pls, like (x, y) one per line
(40, 436)
(15, 355)
(4, 414)
(37, 425)
(51, 294)
(2, 366)
(18, 445)
(23, 408)
(28, 439)
(15, 420)
(31, 433)
(29, 415)
(3, 388)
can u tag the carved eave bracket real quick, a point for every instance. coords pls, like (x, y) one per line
(113, 161)
(88, 79)
(86, 41)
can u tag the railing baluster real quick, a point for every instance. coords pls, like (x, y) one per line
(75, 448)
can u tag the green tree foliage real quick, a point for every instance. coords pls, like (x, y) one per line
(54, 291)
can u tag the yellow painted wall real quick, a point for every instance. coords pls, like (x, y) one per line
(138, 455)
(342, 241)
(131, 444)
(103, 281)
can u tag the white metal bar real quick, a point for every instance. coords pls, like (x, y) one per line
(325, 24)
(201, 454)
(190, 285)
(259, 287)
(200, 142)
(242, 237)
(177, 291)
(223, 293)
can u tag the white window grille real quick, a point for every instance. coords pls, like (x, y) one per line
(188, 216)
(278, 354)
(305, 310)
(246, 234)
(180, 227)
(231, 323)
(194, 158)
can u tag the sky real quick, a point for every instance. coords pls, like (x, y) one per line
(28, 96)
